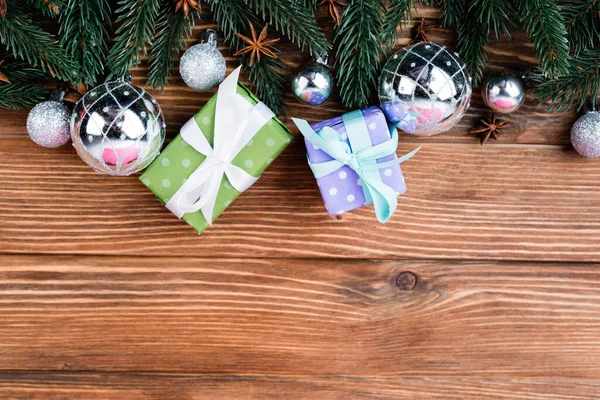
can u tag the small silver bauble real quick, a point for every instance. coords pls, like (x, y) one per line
(117, 128)
(503, 92)
(585, 134)
(425, 89)
(48, 122)
(313, 83)
(202, 66)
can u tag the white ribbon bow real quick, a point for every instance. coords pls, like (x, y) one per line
(236, 122)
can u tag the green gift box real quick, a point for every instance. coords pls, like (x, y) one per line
(179, 160)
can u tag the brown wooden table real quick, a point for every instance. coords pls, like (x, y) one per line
(485, 284)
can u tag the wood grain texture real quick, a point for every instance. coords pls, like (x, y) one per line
(50, 386)
(282, 317)
(463, 202)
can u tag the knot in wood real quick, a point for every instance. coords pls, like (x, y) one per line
(406, 280)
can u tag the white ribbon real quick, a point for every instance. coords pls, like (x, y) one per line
(236, 122)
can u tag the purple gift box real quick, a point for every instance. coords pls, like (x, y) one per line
(341, 190)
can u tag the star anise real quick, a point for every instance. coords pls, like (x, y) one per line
(489, 128)
(3, 77)
(2, 8)
(257, 45)
(335, 8)
(186, 6)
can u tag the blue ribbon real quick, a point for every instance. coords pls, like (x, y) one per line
(363, 160)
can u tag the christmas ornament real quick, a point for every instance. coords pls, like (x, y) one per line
(425, 89)
(257, 45)
(503, 92)
(186, 6)
(489, 128)
(313, 83)
(48, 122)
(335, 8)
(117, 128)
(202, 66)
(585, 134)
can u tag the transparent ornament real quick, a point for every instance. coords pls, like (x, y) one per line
(117, 128)
(425, 89)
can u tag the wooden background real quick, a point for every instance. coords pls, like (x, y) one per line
(484, 285)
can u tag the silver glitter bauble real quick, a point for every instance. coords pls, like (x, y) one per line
(503, 92)
(117, 128)
(48, 123)
(202, 66)
(425, 89)
(585, 134)
(313, 83)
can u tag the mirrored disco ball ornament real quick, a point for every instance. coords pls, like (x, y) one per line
(313, 83)
(425, 89)
(503, 92)
(117, 128)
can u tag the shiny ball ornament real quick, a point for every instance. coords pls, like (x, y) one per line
(313, 83)
(202, 66)
(48, 124)
(117, 128)
(585, 134)
(425, 89)
(503, 92)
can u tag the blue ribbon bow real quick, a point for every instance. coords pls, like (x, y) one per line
(364, 162)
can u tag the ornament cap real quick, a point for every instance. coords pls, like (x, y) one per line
(126, 78)
(58, 94)
(591, 106)
(323, 59)
(210, 36)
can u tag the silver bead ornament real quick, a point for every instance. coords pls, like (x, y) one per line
(585, 134)
(313, 83)
(48, 122)
(503, 92)
(117, 128)
(202, 66)
(425, 89)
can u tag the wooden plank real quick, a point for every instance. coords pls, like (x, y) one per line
(274, 317)
(48, 386)
(463, 202)
(531, 123)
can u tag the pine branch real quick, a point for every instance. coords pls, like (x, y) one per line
(546, 26)
(173, 28)
(358, 51)
(295, 21)
(27, 41)
(83, 36)
(473, 37)
(451, 10)
(266, 75)
(20, 71)
(18, 95)
(137, 19)
(497, 14)
(397, 14)
(581, 83)
(48, 8)
(582, 18)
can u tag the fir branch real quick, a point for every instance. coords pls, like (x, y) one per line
(581, 83)
(397, 14)
(48, 8)
(496, 14)
(451, 11)
(27, 41)
(546, 26)
(137, 19)
(173, 28)
(18, 95)
(83, 36)
(20, 71)
(582, 18)
(266, 75)
(358, 51)
(473, 37)
(295, 21)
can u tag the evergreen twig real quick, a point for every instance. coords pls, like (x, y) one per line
(20, 71)
(583, 23)
(18, 95)
(397, 14)
(295, 21)
(48, 8)
(83, 36)
(173, 28)
(138, 20)
(546, 26)
(27, 41)
(473, 37)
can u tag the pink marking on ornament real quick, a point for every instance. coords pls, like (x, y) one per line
(502, 103)
(124, 154)
(426, 115)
